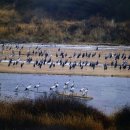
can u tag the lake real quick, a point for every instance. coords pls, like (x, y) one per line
(109, 93)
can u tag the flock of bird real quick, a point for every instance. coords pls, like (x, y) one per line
(27, 88)
(68, 88)
(63, 59)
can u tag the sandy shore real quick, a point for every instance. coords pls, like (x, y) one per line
(64, 71)
(98, 71)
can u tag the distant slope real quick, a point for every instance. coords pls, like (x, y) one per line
(69, 21)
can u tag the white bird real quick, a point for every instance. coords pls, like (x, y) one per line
(54, 87)
(56, 84)
(82, 89)
(37, 86)
(85, 92)
(28, 87)
(67, 83)
(72, 90)
(17, 87)
(65, 88)
(72, 85)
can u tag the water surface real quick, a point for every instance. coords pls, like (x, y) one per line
(109, 93)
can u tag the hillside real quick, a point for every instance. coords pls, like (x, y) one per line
(70, 21)
(73, 9)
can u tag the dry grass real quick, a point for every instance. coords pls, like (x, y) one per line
(52, 113)
(14, 28)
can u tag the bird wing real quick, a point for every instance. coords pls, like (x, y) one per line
(29, 86)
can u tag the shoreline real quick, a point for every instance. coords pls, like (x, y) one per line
(118, 76)
(95, 73)
(69, 43)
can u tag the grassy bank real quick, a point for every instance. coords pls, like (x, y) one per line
(58, 113)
